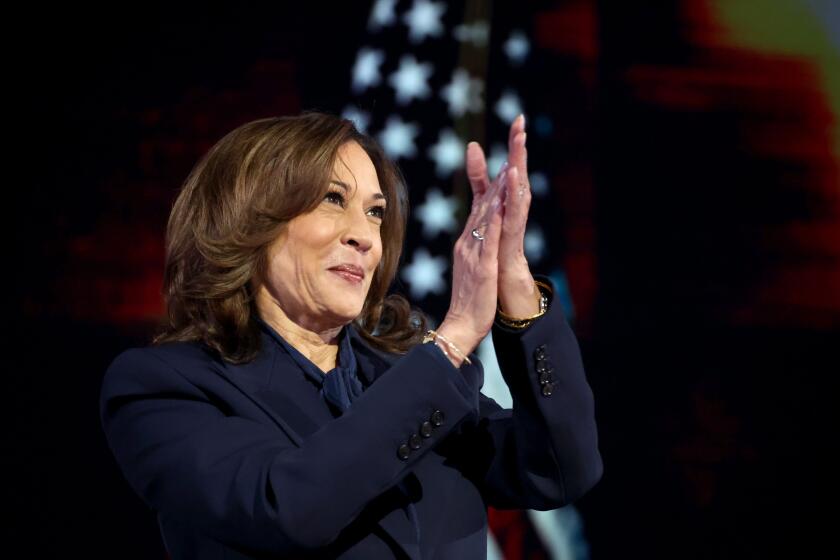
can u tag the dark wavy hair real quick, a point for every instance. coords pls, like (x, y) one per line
(232, 206)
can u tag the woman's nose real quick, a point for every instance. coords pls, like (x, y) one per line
(357, 232)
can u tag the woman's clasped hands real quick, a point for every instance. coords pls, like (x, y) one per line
(489, 264)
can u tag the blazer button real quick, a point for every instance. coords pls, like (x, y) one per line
(547, 389)
(426, 429)
(545, 377)
(403, 452)
(414, 441)
(542, 366)
(436, 418)
(539, 353)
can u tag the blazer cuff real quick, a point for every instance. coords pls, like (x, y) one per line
(468, 379)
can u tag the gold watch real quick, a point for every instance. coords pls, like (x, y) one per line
(544, 291)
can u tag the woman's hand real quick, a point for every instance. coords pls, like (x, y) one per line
(518, 295)
(475, 270)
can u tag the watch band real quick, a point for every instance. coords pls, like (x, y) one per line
(520, 323)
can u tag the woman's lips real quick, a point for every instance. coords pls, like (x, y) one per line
(349, 273)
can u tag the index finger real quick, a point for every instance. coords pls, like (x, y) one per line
(516, 148)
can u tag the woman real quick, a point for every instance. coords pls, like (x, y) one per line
(290, 409)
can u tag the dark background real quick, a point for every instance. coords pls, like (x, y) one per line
(702, 250)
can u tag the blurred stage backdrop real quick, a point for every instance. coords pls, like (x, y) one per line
(684, 157)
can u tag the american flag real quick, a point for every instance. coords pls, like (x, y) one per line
(428, 78)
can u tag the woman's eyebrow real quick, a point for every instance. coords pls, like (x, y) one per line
(347, 189)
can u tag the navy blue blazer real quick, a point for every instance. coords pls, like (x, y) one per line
(248, 461)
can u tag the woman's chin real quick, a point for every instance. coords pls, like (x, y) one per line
(346, 314)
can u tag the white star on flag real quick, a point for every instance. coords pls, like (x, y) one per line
(508, 107)
(425, 274)
(534, 243)
(360, 118)
(498, 155)
(437, 213)
(516, 47)
(424, 20)
(366, 69)
(397, 137)
(539, 183)
(411, 79)
(447, 153)
(382, 14)
(463, 93)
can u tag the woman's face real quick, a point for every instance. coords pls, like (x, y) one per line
(320, 267)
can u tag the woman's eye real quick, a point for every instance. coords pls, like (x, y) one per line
(335, 198)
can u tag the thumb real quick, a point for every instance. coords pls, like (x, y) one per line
(477, 169)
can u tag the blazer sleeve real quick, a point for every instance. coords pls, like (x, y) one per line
(242, 482)
(543, 453)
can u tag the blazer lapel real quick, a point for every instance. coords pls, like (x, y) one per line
(275, 384)
(255, 380)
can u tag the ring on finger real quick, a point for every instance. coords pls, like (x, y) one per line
(475, 233)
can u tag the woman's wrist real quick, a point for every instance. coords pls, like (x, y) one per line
(519, 297)
(454, 342)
